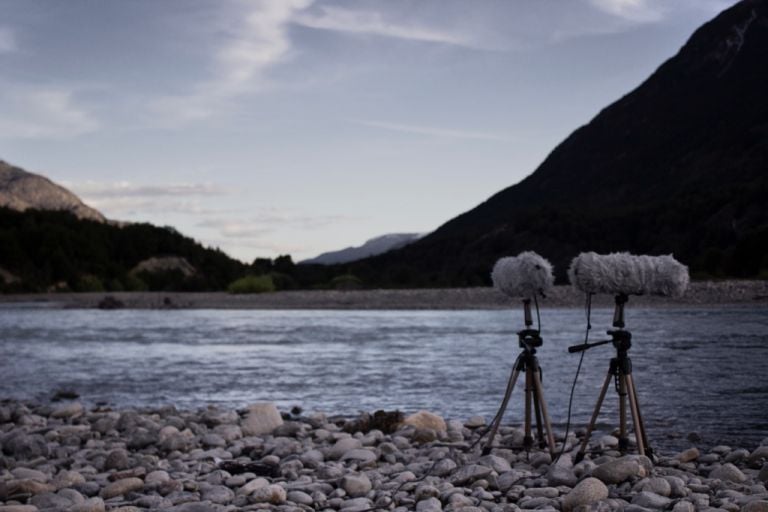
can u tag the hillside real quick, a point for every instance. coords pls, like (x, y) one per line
(21, 190)
(676, 166)
(54, 250)
(372, 247)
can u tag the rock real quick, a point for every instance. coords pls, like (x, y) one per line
(756, 506)
(651, 500)
(470, 473)
(22, 446)
(684, 506)
(156, 477)
(429, 505)
(362, 456)
(475, 422)
(117, 459)
(677, 488)
(68, 479)
(300, 498)
(122, 487)
(443, 467)
(342, 446)
(355, 505)
(656, 485)
(619, 470)
(49, 500)
(70, 410)
(256, 483)
(589, 490)
(689, 455)
(426, 420)
(30, 474)
(759, 455)
(542, 492)
(31, 487)
(356, 485)
(763, 474)
(561, 472)
(728, 472)
(213, 441)
(496, 463)
(505, 481)
(89, 505)
(273, 494)
(18, 508)
(262, 419)
(218, 494)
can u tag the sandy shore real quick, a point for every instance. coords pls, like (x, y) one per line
(714, 293)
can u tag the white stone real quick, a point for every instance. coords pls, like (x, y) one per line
(262, 419)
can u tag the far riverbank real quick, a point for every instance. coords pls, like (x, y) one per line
(701, 293)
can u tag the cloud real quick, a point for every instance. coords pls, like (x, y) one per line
(259, 42)
(437, 132)
(269, 221)
(373, 23)
(638, 11)
(7, 41)
(127, 189)
(33, 113)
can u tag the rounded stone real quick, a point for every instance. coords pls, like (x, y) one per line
(117, 459)
(121, 487)
(617, 471)
(651, 500)
(273, 494)
(589, 490)
(356, 485)
(426, 420)
(728, 472)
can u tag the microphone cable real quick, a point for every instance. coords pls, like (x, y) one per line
(588, 308)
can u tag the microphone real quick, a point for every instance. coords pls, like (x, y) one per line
(622, 273)
(523, 275)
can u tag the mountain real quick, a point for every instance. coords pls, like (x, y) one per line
(678, 165)
(21, 190)
(372, 247)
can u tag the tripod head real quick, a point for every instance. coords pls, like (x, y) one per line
(621, 339)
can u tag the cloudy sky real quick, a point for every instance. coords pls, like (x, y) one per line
(266, 127)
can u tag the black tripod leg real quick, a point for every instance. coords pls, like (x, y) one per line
(635, 417)
(593, 421)
(647, 451)
(497, 420)
(543, 404)
(537, 411)
(528, 439)
(623, 439)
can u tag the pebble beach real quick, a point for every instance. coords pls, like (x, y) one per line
(63, 456)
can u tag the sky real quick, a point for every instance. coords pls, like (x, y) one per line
(268, 127)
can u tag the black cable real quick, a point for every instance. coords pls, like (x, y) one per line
(538, 316)
(588, 307)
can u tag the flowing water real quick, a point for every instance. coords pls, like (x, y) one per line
(696, 370)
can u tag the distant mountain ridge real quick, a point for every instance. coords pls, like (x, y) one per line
(372, 247)
(679, 165)
(21, 190)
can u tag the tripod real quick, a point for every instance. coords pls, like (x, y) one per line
(620, 369)
(527, 363)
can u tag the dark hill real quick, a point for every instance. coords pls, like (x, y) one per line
(676, 166)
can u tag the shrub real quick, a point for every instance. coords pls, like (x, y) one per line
(89, 283)
(252, 284)
(346, 282)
